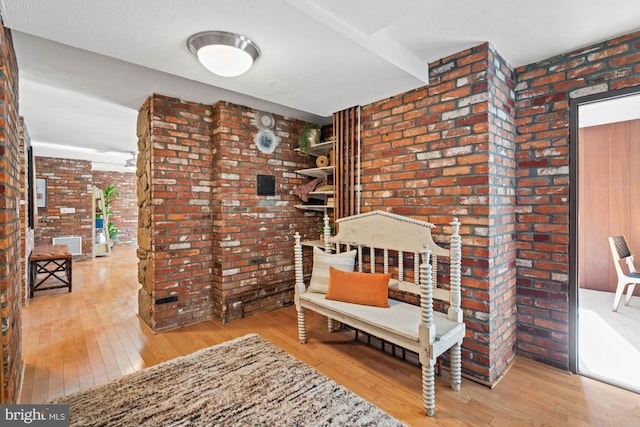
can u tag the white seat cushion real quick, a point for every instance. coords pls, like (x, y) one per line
(400, 318)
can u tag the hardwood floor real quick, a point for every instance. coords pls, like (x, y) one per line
(93, 335)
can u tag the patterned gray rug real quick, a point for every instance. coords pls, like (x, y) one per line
(247, 381)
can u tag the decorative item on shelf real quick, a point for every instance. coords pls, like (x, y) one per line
(331, 202)
(332, 158)
(331, 227)
(100, 238)
(302, 191)
(322, 161)
(266, 141)
(326, 187)
(309, 136)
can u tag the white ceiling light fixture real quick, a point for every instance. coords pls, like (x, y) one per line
(222, 53)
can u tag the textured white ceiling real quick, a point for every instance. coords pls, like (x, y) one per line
(87, 65)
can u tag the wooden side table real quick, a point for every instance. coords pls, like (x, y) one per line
(52, 260)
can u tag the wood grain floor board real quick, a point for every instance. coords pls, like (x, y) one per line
(77, 340)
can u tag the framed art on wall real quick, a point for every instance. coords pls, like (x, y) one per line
(266, 141)
(41, 192)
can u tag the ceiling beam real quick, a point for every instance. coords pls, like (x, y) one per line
(378, 43)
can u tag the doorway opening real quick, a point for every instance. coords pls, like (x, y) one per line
(605, 135)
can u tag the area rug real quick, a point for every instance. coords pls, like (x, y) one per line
(247, 381)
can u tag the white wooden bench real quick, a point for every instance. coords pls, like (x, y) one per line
(383, 237)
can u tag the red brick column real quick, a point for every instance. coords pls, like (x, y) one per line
(502, 214)
(175, 220)
(10, 271)
(446, 150)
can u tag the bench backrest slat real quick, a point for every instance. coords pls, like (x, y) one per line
(384, 232)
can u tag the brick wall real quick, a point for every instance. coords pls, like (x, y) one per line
(210, 246)
(543, 93)
(490, 145)
(10, 231)
(443, 151)
(125, 206)
(181, 214)
(26, 229)
(253, 235)
(502, 186)
(69, 184)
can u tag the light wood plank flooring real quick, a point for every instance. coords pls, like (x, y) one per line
(93, 335)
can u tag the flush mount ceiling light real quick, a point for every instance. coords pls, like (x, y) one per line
(222, 53)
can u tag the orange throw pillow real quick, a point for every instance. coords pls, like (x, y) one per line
(359, 288)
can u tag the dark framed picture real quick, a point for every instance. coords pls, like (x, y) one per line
(41, 192)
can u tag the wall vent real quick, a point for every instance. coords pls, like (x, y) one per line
(166, 300)
(74, 243)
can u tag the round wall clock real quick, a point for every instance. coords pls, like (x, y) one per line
(265, 120)
(266, 141)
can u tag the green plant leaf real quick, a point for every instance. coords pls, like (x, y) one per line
(304, 142)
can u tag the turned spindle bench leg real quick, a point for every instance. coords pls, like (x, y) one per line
(302, 327)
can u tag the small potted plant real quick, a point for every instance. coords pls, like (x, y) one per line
(309, 136)
(113, 232)
(331, 230)
(111, 193)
